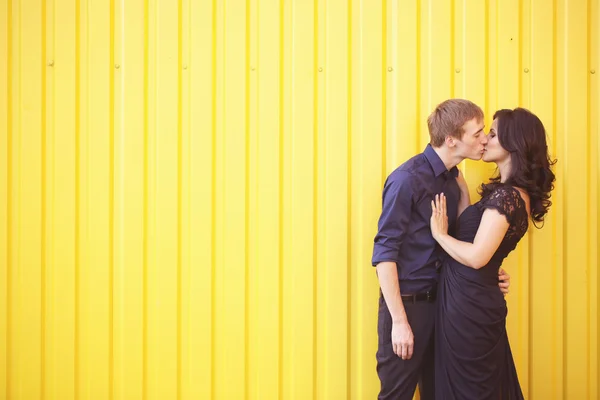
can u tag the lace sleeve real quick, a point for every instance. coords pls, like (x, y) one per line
(505, 200)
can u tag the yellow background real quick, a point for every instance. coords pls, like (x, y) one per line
(189, 190)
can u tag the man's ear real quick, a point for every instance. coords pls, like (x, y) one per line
(450, 141)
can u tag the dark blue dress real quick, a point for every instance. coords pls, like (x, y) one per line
(473, 357)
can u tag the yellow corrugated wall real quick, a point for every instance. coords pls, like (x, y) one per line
(189, 190)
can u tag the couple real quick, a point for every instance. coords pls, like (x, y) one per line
(442, 313)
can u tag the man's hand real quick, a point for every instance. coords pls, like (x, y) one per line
(403, 341)
(504, 281)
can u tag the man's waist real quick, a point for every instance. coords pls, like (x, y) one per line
(417, 286)
(428, 296)
(413, 297)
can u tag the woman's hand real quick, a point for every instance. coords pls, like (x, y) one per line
(439, 219)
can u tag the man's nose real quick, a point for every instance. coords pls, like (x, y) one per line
(484, 139)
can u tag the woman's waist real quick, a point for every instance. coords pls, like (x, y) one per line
(486, 275)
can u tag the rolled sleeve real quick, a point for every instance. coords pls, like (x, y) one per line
(394, 221)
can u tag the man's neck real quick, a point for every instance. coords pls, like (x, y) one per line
(449, 160)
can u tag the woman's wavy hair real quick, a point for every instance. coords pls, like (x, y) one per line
(522, 134)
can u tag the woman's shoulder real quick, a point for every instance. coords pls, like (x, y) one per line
(517, 195)
(507, 192)
(507, 199)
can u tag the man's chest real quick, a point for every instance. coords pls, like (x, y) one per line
(422, 205)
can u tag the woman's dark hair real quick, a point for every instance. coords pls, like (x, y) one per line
(522, 134)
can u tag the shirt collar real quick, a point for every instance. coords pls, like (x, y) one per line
(437, 164)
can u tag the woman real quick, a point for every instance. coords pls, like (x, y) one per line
(473, 357)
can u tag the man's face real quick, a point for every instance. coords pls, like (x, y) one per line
(472, 144)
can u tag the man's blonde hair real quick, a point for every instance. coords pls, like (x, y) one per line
(448, 119)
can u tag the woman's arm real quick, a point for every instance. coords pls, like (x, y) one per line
(489, 235)
(465, 197)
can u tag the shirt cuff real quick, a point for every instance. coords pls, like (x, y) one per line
(382, 254)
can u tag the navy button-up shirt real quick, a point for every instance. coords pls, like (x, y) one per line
(404, 235)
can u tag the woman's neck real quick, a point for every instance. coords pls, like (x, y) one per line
(504, 169)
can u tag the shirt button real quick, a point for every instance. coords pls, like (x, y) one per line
(438, 264)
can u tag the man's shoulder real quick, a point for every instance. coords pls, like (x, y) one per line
(409, 170)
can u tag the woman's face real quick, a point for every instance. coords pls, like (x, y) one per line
(494, 152)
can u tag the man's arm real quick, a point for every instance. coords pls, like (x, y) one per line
(393, 225)
(402, 335)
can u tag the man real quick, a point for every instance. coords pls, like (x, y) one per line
(407, 257)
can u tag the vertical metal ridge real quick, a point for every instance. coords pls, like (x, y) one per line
(588, 147)
(418, 78)
(213, 192)
(564, 247)
(9, 191)
(111, 202)
(44, 233)
(188, 35)
(247, 199)
(554, 136)
(522, 301)
(179, 211)
(520, 63)
(486, 73)
(77, 190)
(383, 90)
(281, 199)
(453, 48)
(597, 31)
(496, 58)
(530, 244)
(179, 189)
(593, 29)
(188, 166)
(145, 206)
(315, 188)
(530, 310)
(349, 208)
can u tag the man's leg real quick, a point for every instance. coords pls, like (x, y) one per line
(399, 377)
(427, 380)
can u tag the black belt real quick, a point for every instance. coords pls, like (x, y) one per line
(413, 298)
